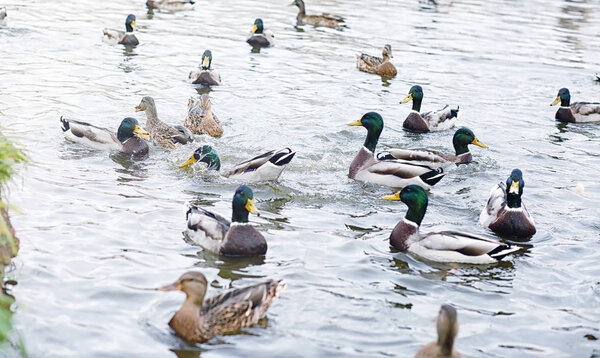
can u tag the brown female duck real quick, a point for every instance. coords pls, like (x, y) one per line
(169, 4)
(377, 65)
(323, 20)
(166, 136)
(199, 319)
(201, 119)
(447, 329)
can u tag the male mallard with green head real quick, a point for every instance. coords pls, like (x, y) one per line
(215, 233)
(461, 140)
(128, 139)
(428, 121)
(377, 65)
(578, 112)
(200, 319)
(126, 37)
(393, 173)
(442, 246)
(447, 329)
(323, 20)
(201, 119)
(163, 134)
(205, 75)
(267, 166)
(258, 36)
(504, 213)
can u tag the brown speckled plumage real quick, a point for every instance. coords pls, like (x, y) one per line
(323, 20)
(166, 136)
(200, 118)
(377, 65)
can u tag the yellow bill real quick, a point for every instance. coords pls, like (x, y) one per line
(192, 160)
(408, 98)
(393, 197)
(254, 28)
(478, 143)
(556, 101)
(175, 286)
(514, 188)
(133, 25)
(141, 132)
(355, 123)
(251, 208)
(205, 62)
(138, 108)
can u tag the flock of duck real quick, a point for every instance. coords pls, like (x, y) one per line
(412, 170)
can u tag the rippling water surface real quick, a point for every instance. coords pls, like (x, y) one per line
(98, 230)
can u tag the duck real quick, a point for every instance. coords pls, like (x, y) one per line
(258, 36)
(447, 329)
(323, 20)
(3, 15)
(200, 319)
(129, 138)
(578, 112)
(440, 120)
(393, 173)
(166, 136)
(200, 118)
(377, 65)
(169, 4)
(126, 37)
(461, 140)
(505, 213)
(234, 239)
(267, 166)
(205, 75)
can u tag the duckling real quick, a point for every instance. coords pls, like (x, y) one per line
(201, 119)
(217, 234)
(126, 38)
(169, 4)
(442, 246)
(323, 20)
(205, 75)
(461, 140)
(258, 36)
(447, 329)
(3, 15)
(504, 213)
(128, 139)
(166, 136)
(200, 319)
(377, 65)
(393, 173)
(578, 112)
(267, 166)
(429, 121)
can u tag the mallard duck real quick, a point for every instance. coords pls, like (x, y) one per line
(128, 139)
(577, 112)
(201, 119)
(323, 20)
(389, 172)
(267, 166)
(215, 233)
(126, 37)
(461, 140)
(377, 65)
(504, 213)
(428, 121)
(3, 15)
(442, 246)
(199, 320)
(169, 4)
(205, 75)
(258, 36)
(447, 329)
(163, 134)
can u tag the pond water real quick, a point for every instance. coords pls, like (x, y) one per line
(99, 231)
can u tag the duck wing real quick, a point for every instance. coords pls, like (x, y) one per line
(434, 157)
(443, 118)
(401, 168)
(213, 225)
(496, 202)
(80, 131)
(277, 157)
(332, 17)
(465, 244)
(368, 60)
(112, 36)
(585, 108)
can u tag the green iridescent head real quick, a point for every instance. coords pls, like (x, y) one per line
(129, 128)
(373, 122)
(514, 188)
(204, 154)
(130, 23)
(462, 138)
(564, 97)
(416, 95)
(206, 59)
(258, 26)
(243, 203)
(415, 198)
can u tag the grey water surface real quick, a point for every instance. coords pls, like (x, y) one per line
(99, 231)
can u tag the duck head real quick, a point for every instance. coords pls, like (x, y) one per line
(563, 97)
(130, 23)
(204, 154)
(146, 103)
(258, 26)
(373, 122)
(514, 188)
(415, 94)
(415, 198)
(130, 127)
(447, 328)
(206, 60)
(387, 52)
(192, 283)
(462, 138)
(242, 204)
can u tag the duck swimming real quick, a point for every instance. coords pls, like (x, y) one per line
(215, 233)
(323, 20)
(200, 319)
(428, 121)
(205, 75)
(267, 166)
(504, 213)
(447, 329)
(166, 136)
(393, 173)
(377, 65)
(578, 112)
(126, 37)
(442, 246)
(3, 15)
(258, 36)
(201, 119)
(169, 4)
(128, 139)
